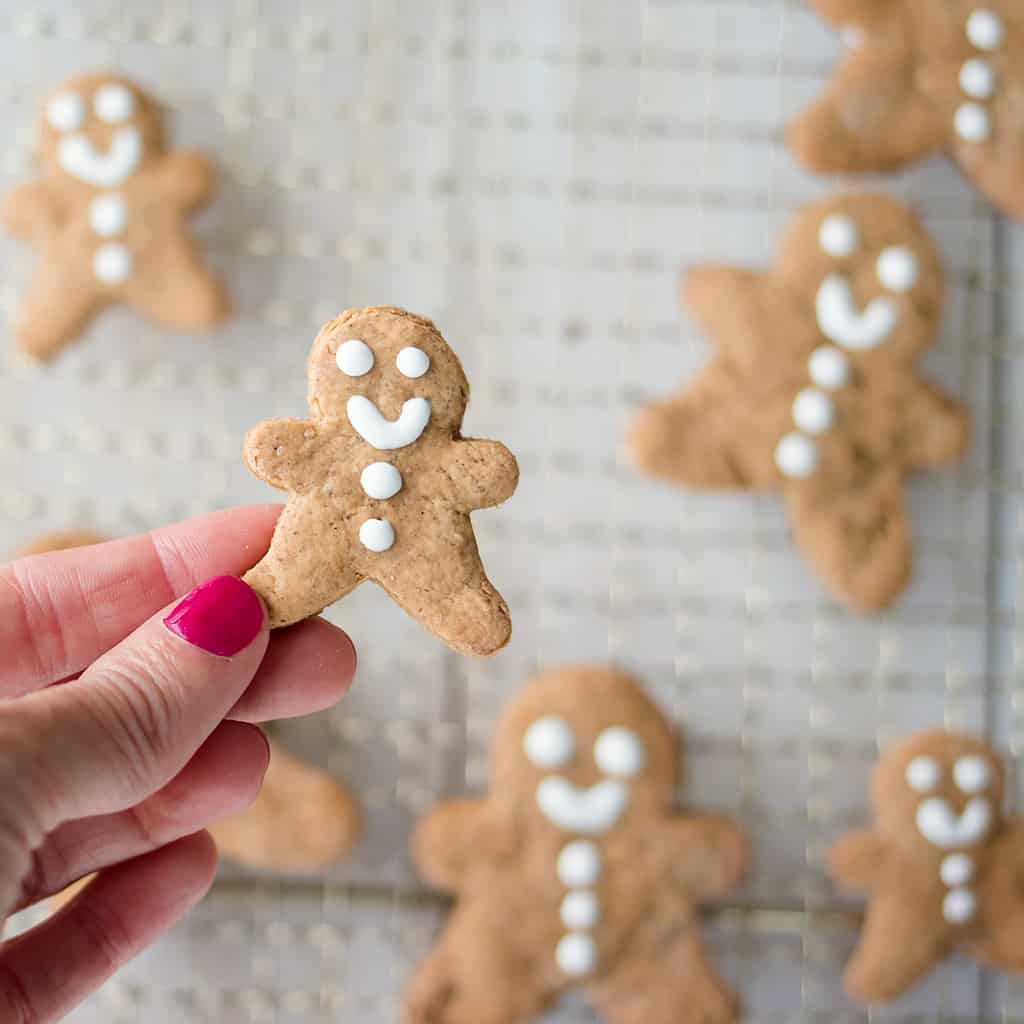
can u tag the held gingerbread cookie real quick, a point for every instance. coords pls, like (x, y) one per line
(109, 215)
(381, 483)
(813, 391)
(943, 868)
(575, 871)
(922, 77)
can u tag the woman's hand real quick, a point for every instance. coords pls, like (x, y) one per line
(126, 719)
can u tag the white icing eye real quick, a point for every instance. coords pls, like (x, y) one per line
(354, 358)
(829, 368)
(978, 78)
(381, 480)
(972, 123)
(619, 752)
(113, 103)
(838, 235)
(579, 864)
(813, 411)
(923, 774)
(549, 742)
(796, 456)
(897, 268)
(377, 535)
(985, 29)
(971, 774)
(66, 112)
(412, 362)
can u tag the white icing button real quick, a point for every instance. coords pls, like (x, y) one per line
(838, 235)
(972, 123)
(978, 78)
(377, 535)
(112, 263)
(579, 864)
(813, 411)
(381, 480)
(971, 774)
(985, 29)
(619, 751)
(796, 456)
(959, 906)
(113, 103)
(956, 869)
(829, 368)
(897, 268)
(108, 214)
(576, 954)
(580, 910)
(549, 742)
(923, 774)
(412, 362)
(354, 358)
(66, 112)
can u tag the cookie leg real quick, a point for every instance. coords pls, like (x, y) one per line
(59, 305)
(183, 294)
(1003, 941)
(857, 539)
(673, 983)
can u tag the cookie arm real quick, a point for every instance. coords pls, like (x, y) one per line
(480, 473)
(31, 211)
(855, 858)
(708, 853)
(935, 428)
(448, 840)
(188, 178)
(285, 453)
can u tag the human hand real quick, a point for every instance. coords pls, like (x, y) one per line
(125, 727)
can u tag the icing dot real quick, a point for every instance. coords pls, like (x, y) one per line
(971, 774)
(381, 480)
(579, 864)
(796, 456)
(956, 869)
(412, 362)
(972, 123)
(813, 411)
(985, 29)
(549, 742)
(66, 112)
(113, 103)
(112, 263)
(829, 368)
(923, 774)
(838, 235)
(978, 78)
(108, 214)
(897, 268)
(576, 954)
(377, 535)
(619, 752)
(958, 906)
(354, 358)
(580, 910)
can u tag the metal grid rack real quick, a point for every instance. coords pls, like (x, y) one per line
(532, 175)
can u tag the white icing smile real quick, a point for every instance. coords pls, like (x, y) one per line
(384, 434)
(841, 321)
(77, 155)
(937, 822)
(588, 811)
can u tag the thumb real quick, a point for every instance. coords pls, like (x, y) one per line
(133, 720)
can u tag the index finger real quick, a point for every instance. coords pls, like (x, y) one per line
(60, 611)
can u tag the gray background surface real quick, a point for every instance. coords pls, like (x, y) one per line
(533, 176)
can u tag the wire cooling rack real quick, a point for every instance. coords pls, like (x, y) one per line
(532, 175)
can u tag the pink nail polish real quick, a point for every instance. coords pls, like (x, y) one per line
(222, 616)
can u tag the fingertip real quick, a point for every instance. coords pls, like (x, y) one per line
(222, 616)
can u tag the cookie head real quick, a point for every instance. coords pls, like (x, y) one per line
(98, 130)
(939, 791)
(390, 374)
(869, 274)
(583, 750)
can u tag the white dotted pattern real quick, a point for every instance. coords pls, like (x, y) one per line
(972, 122)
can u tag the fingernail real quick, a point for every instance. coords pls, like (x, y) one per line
(222, 616)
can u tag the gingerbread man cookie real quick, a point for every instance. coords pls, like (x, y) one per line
(109, 215)
(813, 390)
(944, 867)
(381, 483)
(922, 77)
(574, 871)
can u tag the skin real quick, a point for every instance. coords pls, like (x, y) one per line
(120, 742)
